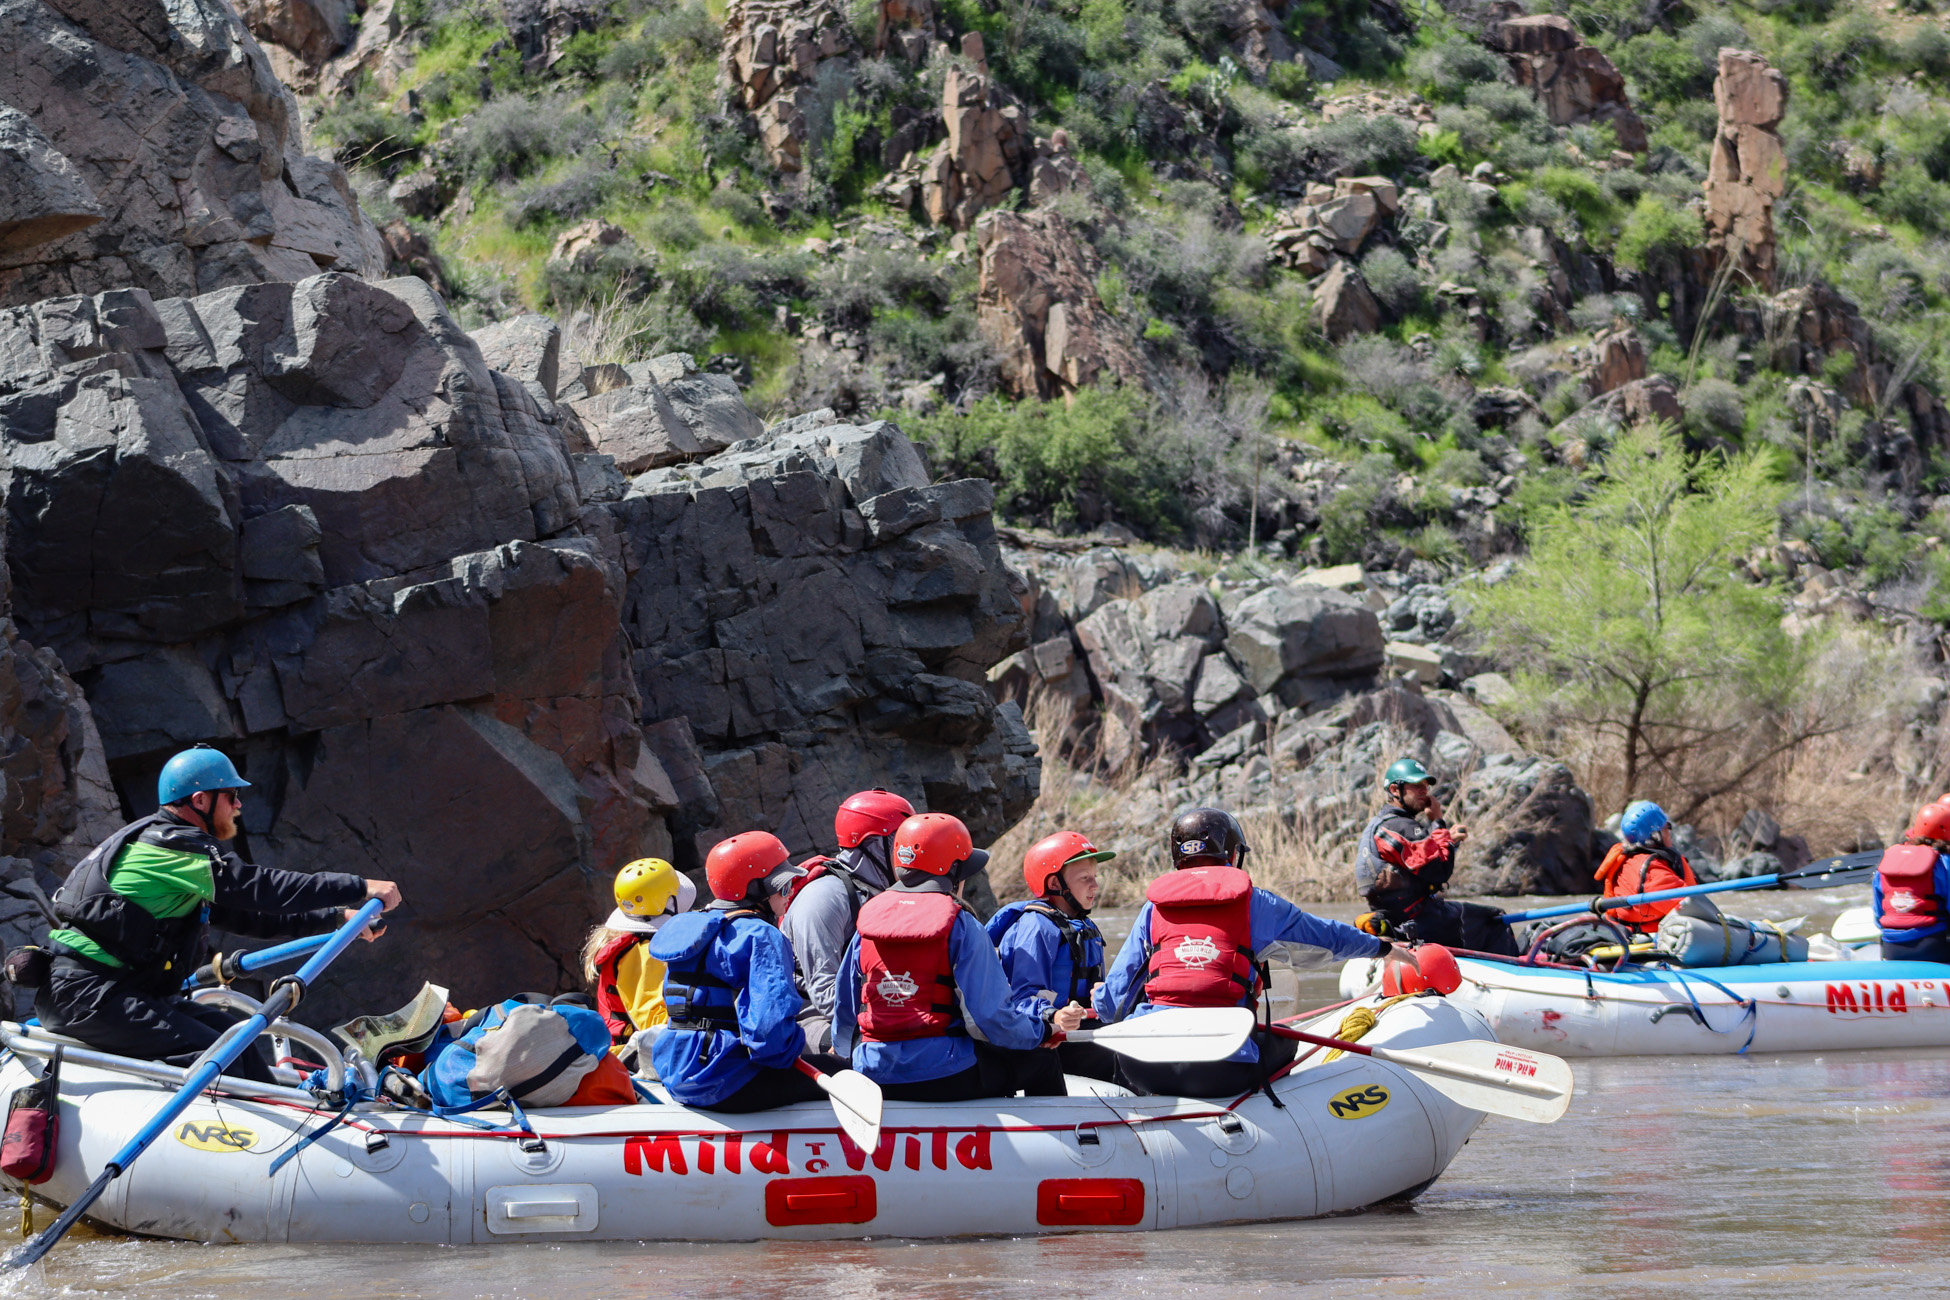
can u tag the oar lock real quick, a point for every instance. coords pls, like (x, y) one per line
(292, 982)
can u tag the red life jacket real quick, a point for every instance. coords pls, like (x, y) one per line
(609, 1001)
(1201, 938)
(1909, 897)
(907, 976)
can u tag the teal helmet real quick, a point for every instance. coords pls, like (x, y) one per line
(1406, 771)
(196, 770)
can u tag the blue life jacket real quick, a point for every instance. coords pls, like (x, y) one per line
(695, 998)
(1079, 963)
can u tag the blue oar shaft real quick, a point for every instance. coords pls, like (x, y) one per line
(226, 1050)
(1633, 900)
(265, 957)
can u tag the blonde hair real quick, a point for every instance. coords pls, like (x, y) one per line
(598, 939)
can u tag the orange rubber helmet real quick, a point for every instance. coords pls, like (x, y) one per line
(733, 865)
(869, 813)
(1049, 855)
(932, 843)
(1932, 823)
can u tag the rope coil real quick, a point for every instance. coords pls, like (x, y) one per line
(1358, 1021)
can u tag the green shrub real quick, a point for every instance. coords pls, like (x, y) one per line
(1360, 145)
(1656, 226)
(1393, 280)
(364, 134)
(510, 136)
(578, 194)
(1446, 70)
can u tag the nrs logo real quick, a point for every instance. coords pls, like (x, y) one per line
(216, 1137)
(896, 987)
(1359, 1103)
(1196, 951)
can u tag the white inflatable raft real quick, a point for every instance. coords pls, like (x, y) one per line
(1784, 1007)
(1350, 1133)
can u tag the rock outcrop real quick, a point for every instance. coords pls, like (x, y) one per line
(988, 147)
(449, 644)
(173, 123)
(1343, 303)
(312, 31)
(1748, 171)
(1037, 306)
(771, 64)
(1574, 82)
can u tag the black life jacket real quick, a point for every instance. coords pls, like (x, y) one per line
(156, 951)
(1077, 933)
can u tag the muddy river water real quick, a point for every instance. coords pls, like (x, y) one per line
(1792, 1175)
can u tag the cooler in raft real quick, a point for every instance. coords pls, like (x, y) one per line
(1352, 1132)
(1641, 1011)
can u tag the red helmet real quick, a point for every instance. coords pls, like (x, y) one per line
(870, 813)
(1052, 853)
(1438, 967)
(1932, 823)
(933, 843)
(733, 865)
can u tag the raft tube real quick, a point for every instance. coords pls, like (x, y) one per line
(1351, 1133)
(1644, 1011)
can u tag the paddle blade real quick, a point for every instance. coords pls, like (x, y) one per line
(856, 1104)
(1497, 1080)
(1176, 1034)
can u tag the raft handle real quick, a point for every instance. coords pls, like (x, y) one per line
(1088, 1137)
(1688, 1012)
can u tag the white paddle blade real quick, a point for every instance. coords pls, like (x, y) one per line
(856, 1104)
(1497, 1080)
(1175, 1034)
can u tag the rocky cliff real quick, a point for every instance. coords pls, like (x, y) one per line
(255, 498)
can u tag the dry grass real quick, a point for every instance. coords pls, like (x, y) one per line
(616, 329)
(1295, 856)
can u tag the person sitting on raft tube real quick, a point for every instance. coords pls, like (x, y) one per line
(1643, 862)
(1198, 942)
(734, 1032)
(1912, 890)
(131, 920)
(1402, 865)
(826, 903)
(921, 971)
(628, 983)
(1051, 951)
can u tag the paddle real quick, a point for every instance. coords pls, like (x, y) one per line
(1472, 1072)
(284, 996)
(1850, 865)
(231, 965)
(1174, 1034)
(856, 1102)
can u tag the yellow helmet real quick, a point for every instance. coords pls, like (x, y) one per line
(648, 887)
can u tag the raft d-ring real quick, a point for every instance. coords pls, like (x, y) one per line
(1688, 1012)
(1092, 1147)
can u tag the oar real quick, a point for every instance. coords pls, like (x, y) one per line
(1472, 1072)
(284, 996)
(1842, 869)
(242, 963)
(1174, 1034)
(856, 1102)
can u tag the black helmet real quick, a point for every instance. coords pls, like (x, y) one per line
(1203, 837)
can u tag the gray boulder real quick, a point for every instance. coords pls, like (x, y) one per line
(173, 122)
(42, 196)
(1295, 632)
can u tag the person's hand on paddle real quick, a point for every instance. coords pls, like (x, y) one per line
(388, 895)
(1070, 1019)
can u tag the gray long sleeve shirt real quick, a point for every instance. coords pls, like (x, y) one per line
(819, 925)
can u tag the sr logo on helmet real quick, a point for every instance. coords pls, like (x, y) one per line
(1187, 848)
(1196, 951)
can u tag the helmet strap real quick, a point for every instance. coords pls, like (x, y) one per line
(1061, 889)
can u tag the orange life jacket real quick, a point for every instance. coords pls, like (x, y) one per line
(1201, 952)
(1624, 874)
(907, 974)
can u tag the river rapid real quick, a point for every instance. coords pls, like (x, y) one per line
(1791, 1175)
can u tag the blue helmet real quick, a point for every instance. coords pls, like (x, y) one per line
(1642, 820)
(193, 770)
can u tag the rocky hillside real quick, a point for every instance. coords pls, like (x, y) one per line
(474, 614)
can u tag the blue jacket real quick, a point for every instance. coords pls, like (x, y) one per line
(1941, 877)
(984, 994)
(1274, 921)
(1036, 957)
(748, 968)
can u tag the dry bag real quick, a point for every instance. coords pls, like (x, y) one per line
(33, 1127)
